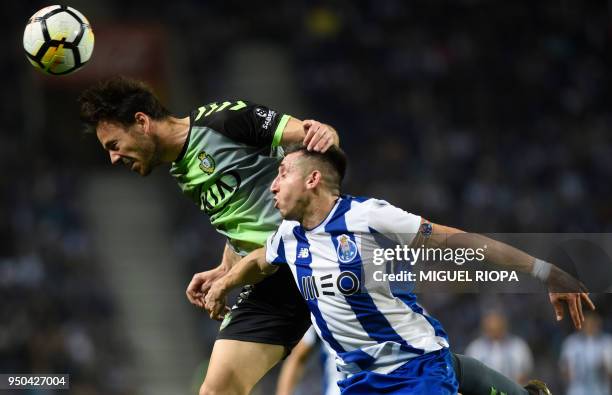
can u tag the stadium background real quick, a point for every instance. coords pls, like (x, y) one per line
(485, 115)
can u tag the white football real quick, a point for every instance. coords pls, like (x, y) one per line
(58, 40)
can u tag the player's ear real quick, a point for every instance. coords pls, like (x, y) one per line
(313, 179)
(142, 121)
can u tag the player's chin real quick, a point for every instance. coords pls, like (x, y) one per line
(144, 171)
(282, 211)
(287, 214)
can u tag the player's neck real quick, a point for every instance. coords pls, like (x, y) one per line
(318, 209)
(172, 133)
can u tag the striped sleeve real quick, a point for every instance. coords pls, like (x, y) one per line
(275, 248)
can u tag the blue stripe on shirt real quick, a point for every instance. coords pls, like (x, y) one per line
(303, 269)
(410, 301)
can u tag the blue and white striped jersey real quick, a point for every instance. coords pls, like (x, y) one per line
(370, 328)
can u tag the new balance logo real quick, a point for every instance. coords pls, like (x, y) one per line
(303, 253)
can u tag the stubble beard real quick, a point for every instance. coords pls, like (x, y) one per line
(297, 213)
(154, 159)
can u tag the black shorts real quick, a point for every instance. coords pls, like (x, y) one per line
(270, 312)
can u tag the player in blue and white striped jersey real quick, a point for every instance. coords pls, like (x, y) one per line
(377, 332)
(382, 339)
(586, 359)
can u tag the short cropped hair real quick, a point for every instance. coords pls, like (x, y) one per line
(117, 100)
(334, 159)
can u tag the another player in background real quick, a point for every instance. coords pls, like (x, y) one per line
(383, 341)
(292, 370)
(500, 350)
(586, 359)
(224, 156)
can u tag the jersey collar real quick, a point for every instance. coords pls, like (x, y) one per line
(327, 219)
(186, 145)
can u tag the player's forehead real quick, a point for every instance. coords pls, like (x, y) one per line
(107, 131)
(290, 161)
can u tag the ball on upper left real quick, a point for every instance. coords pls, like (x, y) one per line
(58, 40)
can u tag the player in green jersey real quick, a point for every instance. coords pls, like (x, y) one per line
(224, 155)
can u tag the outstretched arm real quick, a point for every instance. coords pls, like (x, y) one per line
(562, 286)
(250, 270)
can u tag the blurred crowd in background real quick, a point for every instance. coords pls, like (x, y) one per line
(489, 116)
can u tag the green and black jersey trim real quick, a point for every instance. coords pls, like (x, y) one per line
(278, 133)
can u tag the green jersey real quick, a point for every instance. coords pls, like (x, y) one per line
(228, 163)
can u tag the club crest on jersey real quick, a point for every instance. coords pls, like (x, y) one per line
(207, 163)
(347, 249)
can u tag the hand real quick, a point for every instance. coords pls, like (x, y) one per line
(565, 288)
(574, 303)
(215, 301)
(319, 137)
(200, 284)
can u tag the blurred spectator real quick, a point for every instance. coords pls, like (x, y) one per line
(501, 350)
(586, 359)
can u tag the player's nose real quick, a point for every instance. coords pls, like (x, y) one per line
(114, 157)
(274, 186)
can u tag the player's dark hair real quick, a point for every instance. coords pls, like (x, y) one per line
(334, 158)
(117, 100)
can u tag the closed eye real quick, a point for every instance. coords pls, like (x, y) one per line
(111, 145)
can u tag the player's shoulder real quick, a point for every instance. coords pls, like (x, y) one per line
(281, 236)
(374, 208)
(573, 340)
(364, 201)
(286, 228)
(478, 344)
(214, 113)
(518, 344)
